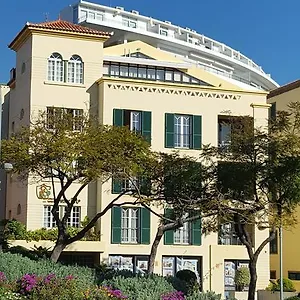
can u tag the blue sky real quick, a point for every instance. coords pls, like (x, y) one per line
(264, 30)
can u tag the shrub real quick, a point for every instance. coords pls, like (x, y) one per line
(15, 266)
(190, 279)
(288, 285)
(204, 296)
(293, 298)
(149, 287)
(173, 296)
(242, 278)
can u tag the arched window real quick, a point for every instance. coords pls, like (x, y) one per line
(75, 69)
(55, 67)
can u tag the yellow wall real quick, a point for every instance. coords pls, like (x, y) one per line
(33, 93)
(291, 258)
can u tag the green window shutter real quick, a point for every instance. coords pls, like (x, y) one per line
(169, 235)
(145, 186)
(118, 117)
(146, 125)
(145, 226)
(196, 141)
(196, 233)
(116, 225)
(169, 130)
(116, 186)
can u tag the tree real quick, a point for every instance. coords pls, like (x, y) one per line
(179, 186)
(74, 153)
(256, 179)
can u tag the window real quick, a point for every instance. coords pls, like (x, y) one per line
(273, 274)
(163, 31)
(227, 235)
(55, 68)
(182, 235)
(75, 70)
(73, 221)
(148, 72)
(100, 16)
(54, 114)
(230, 126)
(49, 221)
(224, 137)
(274, 244)
(294, 275)
(133, 263)
(189, 234)
(129, 225)
(137, 121)
(19, 210)
(182, 131)
(172, 264)
(129, 22)
(92, 15)
(272, 111)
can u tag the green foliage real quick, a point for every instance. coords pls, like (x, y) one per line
(190, 279)
(15, 266)
(7, 294)
(141, 287)
(293, 298)
(288, 285)
(242, 277)
(204, 296)
(15, 230)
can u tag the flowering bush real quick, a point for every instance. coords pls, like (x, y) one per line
(173, 296)
(27, 283)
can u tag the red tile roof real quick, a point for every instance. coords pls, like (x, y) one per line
(67, 26)
(60, 25)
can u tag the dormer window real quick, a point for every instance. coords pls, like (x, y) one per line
(55, 67)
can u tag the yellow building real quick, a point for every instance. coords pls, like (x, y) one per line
(279, 99)
(60, 65)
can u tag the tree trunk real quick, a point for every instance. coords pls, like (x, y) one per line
(158, 237)
(57, 250)
(253, 278)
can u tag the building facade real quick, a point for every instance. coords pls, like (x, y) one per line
(64, 66)
(279, 100)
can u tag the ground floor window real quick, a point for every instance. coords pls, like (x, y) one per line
(294, 275)
(173, 264)
(273, 274)
(230, 267)
(134, 263)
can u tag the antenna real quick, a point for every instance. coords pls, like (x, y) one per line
(46, 16)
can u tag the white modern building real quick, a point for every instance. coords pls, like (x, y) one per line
(184, 43)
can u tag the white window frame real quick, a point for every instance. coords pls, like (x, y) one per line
(48, 218)
(129, 225)
(164, 31)
(182, 234)
(182, 131)
(55, 68)
(75, 70)
(75, 217)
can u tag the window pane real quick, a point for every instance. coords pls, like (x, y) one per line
(185, 78)
(182, 131)
(124, 71)
(169, 75)
(114, 70)
(135, 121)
(151, 74)
(133, 72)
(160, 74)
(106, 69)
(142, 72)
(177, 76)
